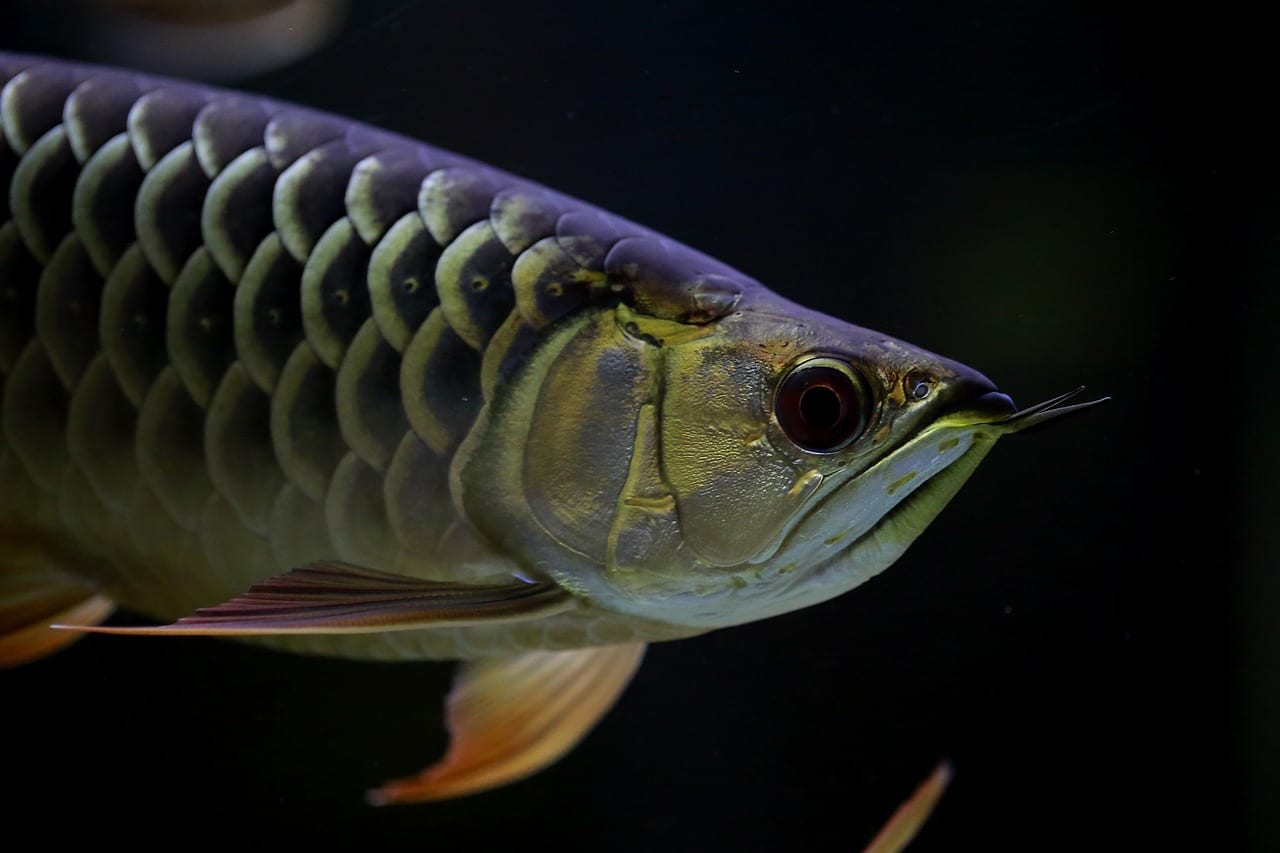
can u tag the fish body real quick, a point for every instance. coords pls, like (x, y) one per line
(419, 408)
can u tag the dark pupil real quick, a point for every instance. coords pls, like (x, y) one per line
(820, 408)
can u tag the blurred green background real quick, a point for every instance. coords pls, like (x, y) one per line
(1056, 194)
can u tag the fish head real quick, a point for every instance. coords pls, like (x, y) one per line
(713, 474)
(794, 446)
(766, 423)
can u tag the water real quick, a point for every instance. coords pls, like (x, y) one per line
(1055, 196)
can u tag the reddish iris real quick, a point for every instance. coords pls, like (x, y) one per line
(821, 408)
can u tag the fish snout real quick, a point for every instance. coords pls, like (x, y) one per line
(975, 398)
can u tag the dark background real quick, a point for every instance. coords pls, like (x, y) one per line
(1056, 195)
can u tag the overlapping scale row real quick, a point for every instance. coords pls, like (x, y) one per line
(248, 335)
(102, 205)
(40, 192)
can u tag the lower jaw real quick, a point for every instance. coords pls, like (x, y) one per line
(886, 541)
(845, 569)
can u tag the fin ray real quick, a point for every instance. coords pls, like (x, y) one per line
(35, 592)
(338, 598)
(39, 639)
(907, 821)
(510, 717)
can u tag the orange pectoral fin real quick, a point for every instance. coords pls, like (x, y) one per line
(911, 815)
(338, 598)
(35, 592)
(36, 638)
(510, 717)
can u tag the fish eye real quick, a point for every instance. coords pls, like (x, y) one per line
(822, 405)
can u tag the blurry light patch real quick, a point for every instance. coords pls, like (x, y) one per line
(214, 40)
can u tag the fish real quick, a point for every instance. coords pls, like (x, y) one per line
(275, 375)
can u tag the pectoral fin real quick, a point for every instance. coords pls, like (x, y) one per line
(510, 717)
(32, 638)
(911, 815)
(33, 593)
(337, 598)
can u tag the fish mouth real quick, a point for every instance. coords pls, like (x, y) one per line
(986, 417)
(994, 409)
(833, 548)
(996, 412)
